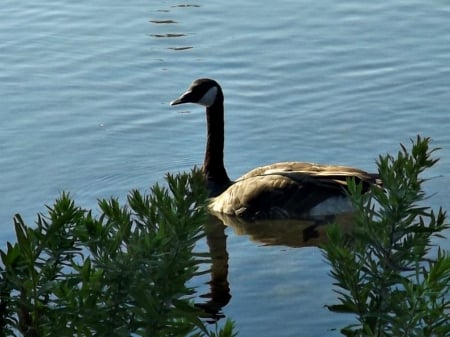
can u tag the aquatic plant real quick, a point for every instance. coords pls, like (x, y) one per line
(387, 271)
(121, 273)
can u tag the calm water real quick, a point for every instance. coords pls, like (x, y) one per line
(84, 92)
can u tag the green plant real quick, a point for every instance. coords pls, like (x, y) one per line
(387, 273)
(119, 274)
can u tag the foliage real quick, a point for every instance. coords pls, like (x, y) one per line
(383, 270)
(119, 274)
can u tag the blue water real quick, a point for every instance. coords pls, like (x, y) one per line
(84, 92)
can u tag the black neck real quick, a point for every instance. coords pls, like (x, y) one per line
(213, 165)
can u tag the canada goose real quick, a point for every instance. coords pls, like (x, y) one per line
(279, 190)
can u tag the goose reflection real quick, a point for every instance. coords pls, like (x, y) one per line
(219, 289)
(297, 233)
(305, 232)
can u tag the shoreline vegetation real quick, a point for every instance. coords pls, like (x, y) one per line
(126, 271)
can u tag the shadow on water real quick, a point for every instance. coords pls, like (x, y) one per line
(295, 233)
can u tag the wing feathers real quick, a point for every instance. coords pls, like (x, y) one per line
(286, 189)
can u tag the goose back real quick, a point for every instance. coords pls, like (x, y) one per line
(290, 190)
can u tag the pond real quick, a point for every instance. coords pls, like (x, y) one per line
(85, 90)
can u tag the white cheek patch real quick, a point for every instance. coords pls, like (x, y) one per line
(209, 97)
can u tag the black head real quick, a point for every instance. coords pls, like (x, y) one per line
(203, 91)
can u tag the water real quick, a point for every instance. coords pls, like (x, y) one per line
(84, 92)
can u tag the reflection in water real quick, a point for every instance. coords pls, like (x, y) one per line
(219, 295)
(291, 233)
(305, 232)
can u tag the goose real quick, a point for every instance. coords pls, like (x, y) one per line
(279, 190)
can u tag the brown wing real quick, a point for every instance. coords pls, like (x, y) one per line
(328, 175)
(286, 189)
(312, 170)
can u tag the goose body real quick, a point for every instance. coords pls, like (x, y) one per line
(279, 190)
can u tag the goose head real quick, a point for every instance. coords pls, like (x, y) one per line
(202, 91)
(208, 93)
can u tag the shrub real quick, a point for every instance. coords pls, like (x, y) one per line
(383, 270)
(121, 273)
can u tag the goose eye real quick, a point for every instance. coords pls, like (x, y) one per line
(209, 97)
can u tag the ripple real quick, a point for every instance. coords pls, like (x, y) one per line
(169, 35)
(180, 48)
(186, 6)
(163, 21)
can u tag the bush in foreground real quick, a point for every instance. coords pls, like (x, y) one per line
(119, 274)
(387, 273)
